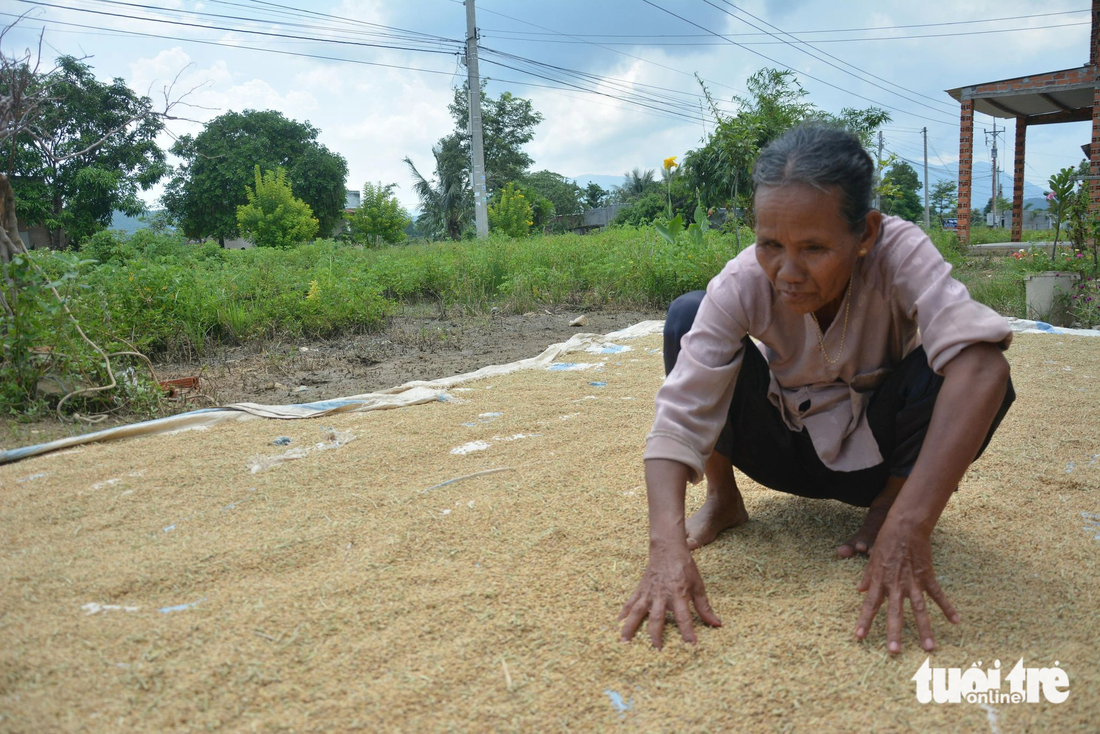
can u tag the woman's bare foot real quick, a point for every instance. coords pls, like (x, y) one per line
(864, 538)
(723, 508)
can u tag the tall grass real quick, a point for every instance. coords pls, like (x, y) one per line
(168, 297)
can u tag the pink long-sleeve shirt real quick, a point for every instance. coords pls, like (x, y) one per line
(902, 295)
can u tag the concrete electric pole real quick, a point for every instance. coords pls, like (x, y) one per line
(996, 188)
(477, 143)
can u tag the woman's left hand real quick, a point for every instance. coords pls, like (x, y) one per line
(900, 568)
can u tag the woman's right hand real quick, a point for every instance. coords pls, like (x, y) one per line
(670, 582)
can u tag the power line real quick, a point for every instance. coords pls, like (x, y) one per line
(671, 114)
(800, 43)
(816, 40)
(774, 61)
(269, 34)
(115, 31)
(806, 32)
(607, 48)
(625, 85)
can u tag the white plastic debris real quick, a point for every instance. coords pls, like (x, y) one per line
(93, 608)
(469, 448)
(579, 321)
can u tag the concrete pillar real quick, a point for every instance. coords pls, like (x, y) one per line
(966, 165)
(1018, 181)
(1094, 159)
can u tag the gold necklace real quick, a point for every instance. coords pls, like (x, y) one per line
(843, 334)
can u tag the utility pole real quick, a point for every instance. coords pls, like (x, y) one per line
(878, 172)
(994, 135)
(477, 142)
(927, 225)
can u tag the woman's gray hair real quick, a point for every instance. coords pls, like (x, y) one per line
(822, 156)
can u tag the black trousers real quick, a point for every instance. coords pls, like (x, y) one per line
(759, 443)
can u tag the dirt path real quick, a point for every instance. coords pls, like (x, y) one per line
(417, 345)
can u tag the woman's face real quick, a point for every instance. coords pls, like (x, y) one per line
(805, 246)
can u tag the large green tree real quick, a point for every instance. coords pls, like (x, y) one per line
(904, 202)
(508, 123)
(721, 169)
(564, 194)
(60, 176)
(218, 164)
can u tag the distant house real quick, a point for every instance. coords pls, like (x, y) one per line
(351, 201)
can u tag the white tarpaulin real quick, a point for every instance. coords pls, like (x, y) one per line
(411, 393)
(1024, 326)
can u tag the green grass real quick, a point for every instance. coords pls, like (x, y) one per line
(167, 297)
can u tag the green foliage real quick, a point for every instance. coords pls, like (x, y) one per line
(508, 123)
(1084, 304)
(636, 184)
(209, 186)
(1062, 187)
(721, 170)
(510, 214)
(903, 200)
(643, 210)
(943, 201)
(447, 204)
(563, 194)
(594, 196)
(273, 217)
(44, 356)
(673, 232)
(542, 209)
(379, 218)
(79, 195)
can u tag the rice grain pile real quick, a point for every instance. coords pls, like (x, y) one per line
(159, 583)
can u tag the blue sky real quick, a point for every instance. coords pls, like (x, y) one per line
(376, 115)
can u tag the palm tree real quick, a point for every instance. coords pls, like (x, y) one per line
(447, 204)
(637, 183)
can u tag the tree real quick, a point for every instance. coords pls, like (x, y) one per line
(60, 179)
(904, 201)
(273, 217)
(210, 184)
(508, 123)
(594, 196)
(510, 214)
(564, 194)
(942, 200)
(721, 170)
(379, 218)
(542, 209)
(636, 184)
(447, 205)
(33, 311)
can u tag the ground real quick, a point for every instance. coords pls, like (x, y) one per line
(418, 344)
(159, 583)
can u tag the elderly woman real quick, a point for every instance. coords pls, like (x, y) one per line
(878, 381)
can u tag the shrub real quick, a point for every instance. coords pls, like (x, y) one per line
(379, 218)
(511, 213)
(273, 217)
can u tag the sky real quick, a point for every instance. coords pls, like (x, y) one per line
(615, 81)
